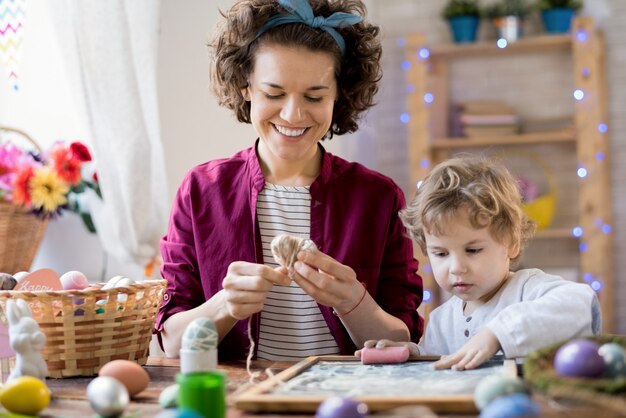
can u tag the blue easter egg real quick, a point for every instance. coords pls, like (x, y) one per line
(492, 387)
(337, 407)
(516, 405)
(614, 357)
(579, 358)
(178, 413)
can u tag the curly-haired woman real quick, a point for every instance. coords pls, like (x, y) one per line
(300, 72)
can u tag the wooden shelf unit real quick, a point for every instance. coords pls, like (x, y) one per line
(429, 142)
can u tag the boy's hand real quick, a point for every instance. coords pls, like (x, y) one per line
(413, 349)
(473, 353)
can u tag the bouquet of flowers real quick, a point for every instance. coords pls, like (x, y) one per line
(47, 183)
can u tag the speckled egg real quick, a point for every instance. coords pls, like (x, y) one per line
(7, 282)
(516, 405)
(107, 396)
(579, 358)
(129, 373)
(492, 387)
(614, 356)
(25, 395)
(337, 407)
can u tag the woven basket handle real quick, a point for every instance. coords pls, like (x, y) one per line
(22, 134)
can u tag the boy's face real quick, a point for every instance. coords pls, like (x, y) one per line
(468, 262)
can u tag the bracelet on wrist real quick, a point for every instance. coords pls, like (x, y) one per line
(340, 315)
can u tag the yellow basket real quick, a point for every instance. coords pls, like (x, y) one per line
(542, 209)
(82, 336)
(20, 231)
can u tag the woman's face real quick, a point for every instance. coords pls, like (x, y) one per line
(292, 92)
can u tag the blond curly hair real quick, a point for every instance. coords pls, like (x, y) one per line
(483, 187)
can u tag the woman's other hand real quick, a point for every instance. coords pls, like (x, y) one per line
(328, 281)
(246, 286)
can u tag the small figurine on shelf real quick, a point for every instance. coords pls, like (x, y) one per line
(26, 339)
(463, 17)
(507, 17)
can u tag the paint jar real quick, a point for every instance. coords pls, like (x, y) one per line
(203, 392)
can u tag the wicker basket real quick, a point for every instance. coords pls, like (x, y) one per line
(20, 231)
(20, 235)
(82, 336)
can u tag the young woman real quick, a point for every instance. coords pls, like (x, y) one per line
(299, 72)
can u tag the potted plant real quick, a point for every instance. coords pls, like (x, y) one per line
(557, 14)
(507, 17)
(463, 17)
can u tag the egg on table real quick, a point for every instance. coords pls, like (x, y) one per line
(25, 395)
(107, 396)
(338, 407)
(130, 374)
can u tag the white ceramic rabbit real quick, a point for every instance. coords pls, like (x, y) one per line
(26, 339)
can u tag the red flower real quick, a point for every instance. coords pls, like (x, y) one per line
(66, 166)
(21, 185)
(80, 152)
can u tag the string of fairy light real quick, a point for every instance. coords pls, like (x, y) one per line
(582, 172)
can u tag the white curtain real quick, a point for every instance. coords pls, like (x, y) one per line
(110, 49)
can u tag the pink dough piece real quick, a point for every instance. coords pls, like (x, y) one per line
(384, 355)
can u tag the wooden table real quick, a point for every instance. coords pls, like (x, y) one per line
(69, 398)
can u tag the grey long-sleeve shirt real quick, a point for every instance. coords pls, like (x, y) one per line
(532, 310)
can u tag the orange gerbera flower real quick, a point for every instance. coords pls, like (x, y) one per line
(66, 165)
(21, 185)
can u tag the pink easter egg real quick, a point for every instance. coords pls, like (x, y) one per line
(74, 280)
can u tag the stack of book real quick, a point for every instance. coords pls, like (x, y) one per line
(487, 118)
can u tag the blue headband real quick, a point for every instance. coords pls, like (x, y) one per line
(300, 11)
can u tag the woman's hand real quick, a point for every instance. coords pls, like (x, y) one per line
(327, 281)
(413, 349)
(246, 286)
(473, 353)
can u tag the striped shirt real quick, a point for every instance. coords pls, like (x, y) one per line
(292, 326)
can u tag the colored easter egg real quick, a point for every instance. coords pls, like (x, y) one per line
(614, 356)
(74, 280)
(178, 413)
(129, 373)
(7, 282)
(200, 335)
(337, 407)
(25, 395)
(516, 405)
(107, 396)
(579, 358)
(492, 387)
(168, 398)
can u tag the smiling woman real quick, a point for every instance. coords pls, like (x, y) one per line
(299, 72)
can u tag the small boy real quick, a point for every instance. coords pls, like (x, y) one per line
(467, 218)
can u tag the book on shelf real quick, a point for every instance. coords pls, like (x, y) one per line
(490, 130)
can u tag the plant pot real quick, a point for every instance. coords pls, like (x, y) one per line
(558, 20)
(508, 28)
(464, 28)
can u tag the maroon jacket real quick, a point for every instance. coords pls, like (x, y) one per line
(354, 219)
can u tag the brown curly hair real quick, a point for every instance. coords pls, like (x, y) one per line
(485, 188)
(234, 46)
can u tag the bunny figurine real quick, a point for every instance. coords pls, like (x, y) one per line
(26, 339)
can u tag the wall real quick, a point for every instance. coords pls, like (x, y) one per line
(474, 79)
